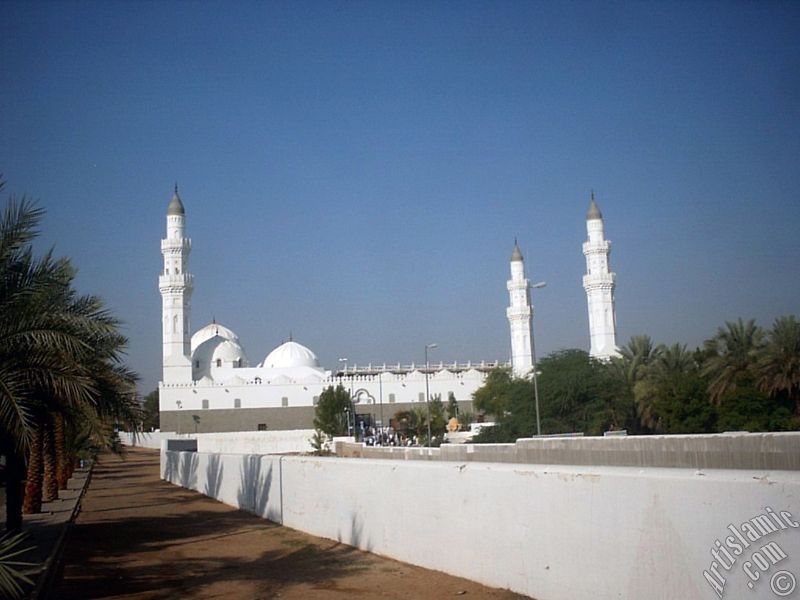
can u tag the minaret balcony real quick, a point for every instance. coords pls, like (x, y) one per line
(173, 245)
(603, 247)
(599, 281)
(175, 282)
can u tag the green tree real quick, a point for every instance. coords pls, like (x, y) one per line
(733, 353)
(746, 408)
(52, 359)
(577, 393)
(452, 406)
(681, 404)
(330, 416)
(150, 412)
(778, 366)
(438, 420)
(636, 356)
(495, 396)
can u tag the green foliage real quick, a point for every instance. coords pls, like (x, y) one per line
(740, 380)
(749, 409)
(150, 412)
(13, 571)
(681, 405)
(60, 353)
(577, 393)
(502, 393)
(452, 406)
(438, 420)
(320, 442)
(330, 417)
(733, 353)
(778, 366)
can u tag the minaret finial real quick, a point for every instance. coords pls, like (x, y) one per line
(594, 210)
(176, 187)
(290, 336)
(516, 254)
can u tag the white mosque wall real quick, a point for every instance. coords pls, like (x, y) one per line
(552, 532)
(387, 387)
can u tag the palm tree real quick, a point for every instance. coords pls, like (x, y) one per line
(778, 367)
(733, 355)
(673, 360)
(637, 355)
(58, 353)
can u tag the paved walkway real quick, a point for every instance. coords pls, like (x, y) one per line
(138, 537)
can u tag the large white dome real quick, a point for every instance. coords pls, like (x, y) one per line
(290, 354)
(211, 330)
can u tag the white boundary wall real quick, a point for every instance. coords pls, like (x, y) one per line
(551, 532)
(233, 442)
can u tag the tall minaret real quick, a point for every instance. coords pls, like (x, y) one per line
(599, 284)
(520, 313)
(175, 285)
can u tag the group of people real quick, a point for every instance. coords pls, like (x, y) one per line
(387, 436)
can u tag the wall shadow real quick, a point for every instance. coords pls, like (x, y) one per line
(213, 475)
(255, 482)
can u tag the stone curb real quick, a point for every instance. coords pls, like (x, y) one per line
(52, 565)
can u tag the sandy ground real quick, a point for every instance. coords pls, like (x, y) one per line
(138, 537)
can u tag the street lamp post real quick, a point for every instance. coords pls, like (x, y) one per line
(427, 391)
(536, 286)
(349, 395)
(380, 396)
(179, 404)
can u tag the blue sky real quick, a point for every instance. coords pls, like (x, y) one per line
(356, 172)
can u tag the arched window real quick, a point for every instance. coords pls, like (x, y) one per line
(175, 324)
(166, 271)
(219, 362)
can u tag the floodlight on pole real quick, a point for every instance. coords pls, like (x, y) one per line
(427, 390)
(536, 286)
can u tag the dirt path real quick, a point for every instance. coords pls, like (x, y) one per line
(138, 537)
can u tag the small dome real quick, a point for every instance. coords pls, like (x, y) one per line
(175, 205)
(290, 354)
(209, 331)
(594, 211)
(218, 348)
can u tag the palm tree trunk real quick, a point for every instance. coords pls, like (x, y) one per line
(33, 487)
(50, 491)
(15, 479)
(62, 462)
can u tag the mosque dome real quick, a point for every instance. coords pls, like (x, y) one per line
(291, 354)
(211, 330)
(218, 352)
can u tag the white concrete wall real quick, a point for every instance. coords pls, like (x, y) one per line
(551, 532)
(152, 439)
(233, 442)
(256, 442)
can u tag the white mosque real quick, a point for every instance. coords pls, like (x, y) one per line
(209, 384)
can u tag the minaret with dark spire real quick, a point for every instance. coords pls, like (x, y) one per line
(520, 314)
(599, 283)
(175, 285)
